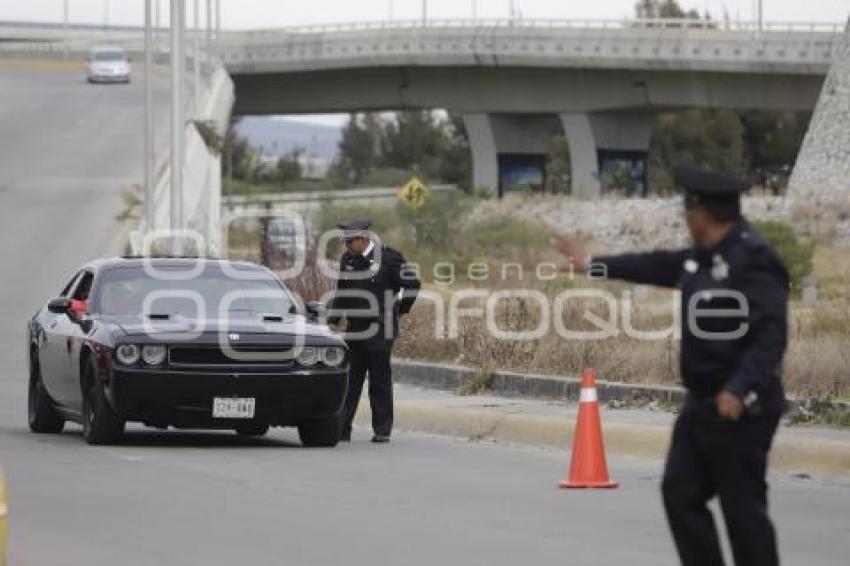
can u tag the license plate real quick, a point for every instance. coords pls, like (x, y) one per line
(233, 407)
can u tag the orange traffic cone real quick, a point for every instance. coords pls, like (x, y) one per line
(588, 467)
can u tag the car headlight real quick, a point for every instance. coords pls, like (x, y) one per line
(333, 356)
(308, 356)
(127, 354)
(153, 354)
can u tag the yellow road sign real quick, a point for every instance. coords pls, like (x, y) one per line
(414, 193)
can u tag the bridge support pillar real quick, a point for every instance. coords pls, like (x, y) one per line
(509, 149)
(594, 138)
(485, 158)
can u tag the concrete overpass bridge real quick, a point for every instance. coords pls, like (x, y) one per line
(516, 82)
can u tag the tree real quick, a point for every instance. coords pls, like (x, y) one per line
(358, 147)
(773, 138)
(712, 139)
(289, 166)
(238, 153)
(668, 9)
(558, 164)
(456, 166)
(415, 140)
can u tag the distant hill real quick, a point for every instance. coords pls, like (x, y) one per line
(278, 136)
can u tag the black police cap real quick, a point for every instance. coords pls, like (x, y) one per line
(704, 186)
(354, 228)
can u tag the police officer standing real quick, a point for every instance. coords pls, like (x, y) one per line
(375, 287)
(734, 333)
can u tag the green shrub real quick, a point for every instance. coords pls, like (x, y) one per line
(797, 254)
(439, 220)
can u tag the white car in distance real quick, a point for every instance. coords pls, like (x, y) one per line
(107, 64)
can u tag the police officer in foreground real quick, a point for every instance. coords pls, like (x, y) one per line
(375, 287)
(734, 332)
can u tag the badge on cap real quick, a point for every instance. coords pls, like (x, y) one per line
(691, 266)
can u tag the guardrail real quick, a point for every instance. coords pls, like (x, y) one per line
(589, 24)
(268, 200)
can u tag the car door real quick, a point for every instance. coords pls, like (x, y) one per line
(65, 341)
(49, 355)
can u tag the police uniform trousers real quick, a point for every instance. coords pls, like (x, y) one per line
(370, 356)
(711, 456)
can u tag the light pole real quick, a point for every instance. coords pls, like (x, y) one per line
(65, 26)
(149, 131)
(196, 45)
(218, 27)
(209, 35)
(156, 21)
(424, 12)
(178, 16)
(105, 14)
(760, 16)
(474, 10)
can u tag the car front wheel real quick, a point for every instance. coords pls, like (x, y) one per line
(101, 425)
(320, 432)
(43, 418)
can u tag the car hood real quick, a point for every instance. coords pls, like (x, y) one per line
(249, 328)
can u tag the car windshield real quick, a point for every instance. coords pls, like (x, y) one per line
(109, 56)
(134, 290)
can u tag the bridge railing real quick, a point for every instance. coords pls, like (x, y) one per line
(586, 24)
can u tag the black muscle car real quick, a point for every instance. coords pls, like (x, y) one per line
(182, 342)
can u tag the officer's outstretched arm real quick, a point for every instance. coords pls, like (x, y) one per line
(765, 285)
(661, 268)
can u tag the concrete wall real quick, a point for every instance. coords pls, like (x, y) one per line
(201, 172)
(822, 172)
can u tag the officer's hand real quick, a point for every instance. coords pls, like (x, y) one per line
(573, 250)
(729, 406)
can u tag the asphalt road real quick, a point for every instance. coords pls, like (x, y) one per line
(213, 499)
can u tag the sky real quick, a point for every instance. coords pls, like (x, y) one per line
(246, 14)
(240, 14)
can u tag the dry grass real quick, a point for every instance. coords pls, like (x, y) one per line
(816, 364)
(832, 270)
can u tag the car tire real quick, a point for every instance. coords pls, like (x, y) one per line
(320, 432)
(253, 430)
(43, 418)
(101, 425)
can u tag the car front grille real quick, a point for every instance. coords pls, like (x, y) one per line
(215, 356)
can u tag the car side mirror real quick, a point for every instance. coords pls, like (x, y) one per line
(59, 305)
(315, 310)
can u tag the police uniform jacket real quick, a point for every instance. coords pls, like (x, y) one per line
(383, 274)
(712, 281)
